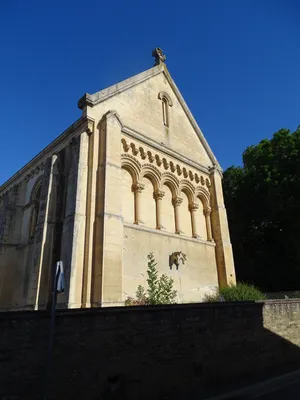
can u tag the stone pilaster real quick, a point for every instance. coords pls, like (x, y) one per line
(108, 247)
(78, 244)
(90, 213)
(220, 231)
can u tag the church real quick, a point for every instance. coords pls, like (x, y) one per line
(133, 175)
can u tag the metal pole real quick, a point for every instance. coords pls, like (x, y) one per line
(51, 339)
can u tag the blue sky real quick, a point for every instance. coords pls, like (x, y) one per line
(236, 62)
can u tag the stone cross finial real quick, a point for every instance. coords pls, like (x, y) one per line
(159, 56)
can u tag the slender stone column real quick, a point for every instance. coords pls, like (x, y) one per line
(158, 195)
(137, 189)
(193, 208)
(176, 203)
(207, 213)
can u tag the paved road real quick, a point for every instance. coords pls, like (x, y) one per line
(291, 391)
(284, 387)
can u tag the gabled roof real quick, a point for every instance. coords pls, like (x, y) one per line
(92, 100)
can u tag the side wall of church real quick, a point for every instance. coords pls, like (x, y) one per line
(40, 223)
(16, 241)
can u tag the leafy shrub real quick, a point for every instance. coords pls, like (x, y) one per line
(212, 297)
(240, 292)
(160, 289)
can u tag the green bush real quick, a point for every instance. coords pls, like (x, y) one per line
(160, 289)
(212, 297)
(239, 292)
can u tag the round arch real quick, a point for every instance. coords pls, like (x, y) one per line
(203, 195)
(36, 188)
(172, 182)
(152, 173)
(163, 95)
(131, 165)
(186, 187)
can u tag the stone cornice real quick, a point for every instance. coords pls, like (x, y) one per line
(169, 234)
(216, 169)
(79, 126)
(98, 97)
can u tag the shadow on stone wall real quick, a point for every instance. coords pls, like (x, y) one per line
(170, 352)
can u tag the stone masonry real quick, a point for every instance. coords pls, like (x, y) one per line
(133, 175)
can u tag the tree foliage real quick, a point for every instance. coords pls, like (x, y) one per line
(263, 204)
(160, 288)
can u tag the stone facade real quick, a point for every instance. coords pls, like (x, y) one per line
(133, 175)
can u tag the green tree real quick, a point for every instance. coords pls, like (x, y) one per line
(263, 205)
(160, 288)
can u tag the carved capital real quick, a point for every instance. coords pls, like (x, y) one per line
(207, 212)
(176, 201)
(193, 207)
(158, 195)
(138, 187)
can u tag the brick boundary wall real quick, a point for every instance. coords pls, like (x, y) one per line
(162, 352)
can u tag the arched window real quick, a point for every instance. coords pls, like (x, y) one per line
(35, 211)
(165, 112)
(166, 102)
